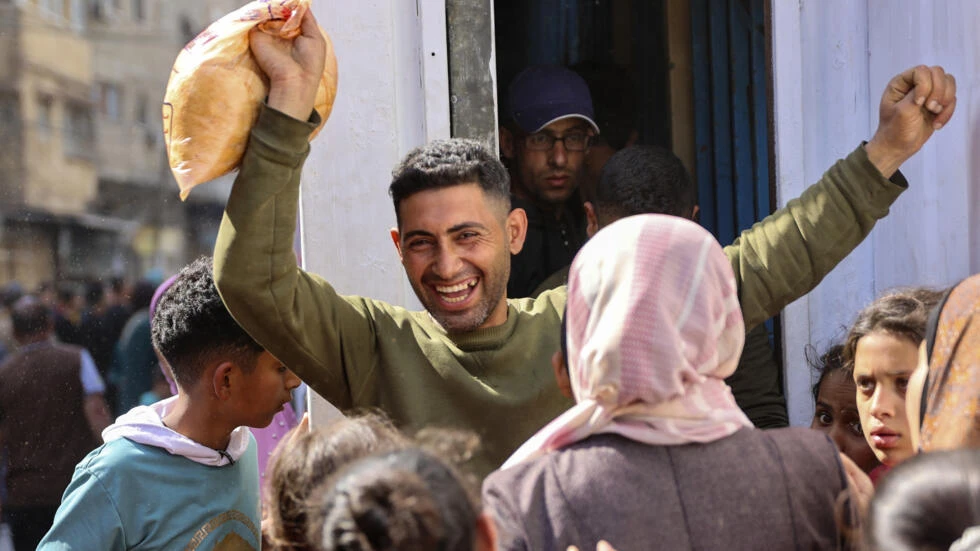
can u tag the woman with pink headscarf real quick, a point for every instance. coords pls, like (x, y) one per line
(655, 453)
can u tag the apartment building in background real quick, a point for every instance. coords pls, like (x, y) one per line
(85, 188)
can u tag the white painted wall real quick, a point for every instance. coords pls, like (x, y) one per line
(382, 111)
(831, 61)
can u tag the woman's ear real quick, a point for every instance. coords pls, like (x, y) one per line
(486, 533)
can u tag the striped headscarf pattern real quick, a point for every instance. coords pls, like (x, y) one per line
(653, 328)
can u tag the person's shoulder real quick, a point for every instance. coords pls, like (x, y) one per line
(552, 300)
(118, 455)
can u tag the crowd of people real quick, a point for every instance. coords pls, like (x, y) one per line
(596, 393)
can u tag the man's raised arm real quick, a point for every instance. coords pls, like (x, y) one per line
(296, 316)
(787, 254)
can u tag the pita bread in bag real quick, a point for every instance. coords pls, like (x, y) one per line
(216, 89)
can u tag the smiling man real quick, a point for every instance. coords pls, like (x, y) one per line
(474, 359)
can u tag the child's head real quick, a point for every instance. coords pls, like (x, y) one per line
(882, 352)
(836, 413)
(931, 501)
(308, 457)
(211, 355)
(403, 500)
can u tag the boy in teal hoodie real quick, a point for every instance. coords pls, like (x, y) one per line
(182, 473)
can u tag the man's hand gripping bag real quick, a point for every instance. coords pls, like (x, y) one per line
(216, 89)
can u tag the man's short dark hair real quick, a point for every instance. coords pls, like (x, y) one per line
(447, 163)
(192, 328)
(643, 179)
(29, 317)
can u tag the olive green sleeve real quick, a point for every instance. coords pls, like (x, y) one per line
(786, 255)
(296, 316)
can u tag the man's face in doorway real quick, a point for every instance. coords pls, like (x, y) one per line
(551, 176)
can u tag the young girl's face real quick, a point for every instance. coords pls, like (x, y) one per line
(837, 416)
(883, 364)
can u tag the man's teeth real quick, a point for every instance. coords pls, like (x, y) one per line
(456, 288)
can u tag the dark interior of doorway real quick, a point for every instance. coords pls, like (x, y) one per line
(692, 75)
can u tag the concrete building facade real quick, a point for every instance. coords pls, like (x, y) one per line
(85, 188)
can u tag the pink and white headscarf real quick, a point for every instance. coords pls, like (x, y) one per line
(654, 327)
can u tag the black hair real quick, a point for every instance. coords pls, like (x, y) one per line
(926, 502)
(192, 328)
(94, 292)
(10, 293)
(142, 295)
(830, 361)
(66, 292)
(403, 500)
(30, 317)
(116, 283)
(447, 163)
(644, 179)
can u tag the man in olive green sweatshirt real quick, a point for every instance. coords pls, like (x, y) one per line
(474, 359)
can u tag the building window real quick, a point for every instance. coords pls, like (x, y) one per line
(110, 98)
(138, 8)
(78, 131)
(9, 115)
(140, 114)
(44, 108)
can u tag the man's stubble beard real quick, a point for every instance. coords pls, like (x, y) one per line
(476, 316)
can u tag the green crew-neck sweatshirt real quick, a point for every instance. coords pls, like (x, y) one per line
(362, 353)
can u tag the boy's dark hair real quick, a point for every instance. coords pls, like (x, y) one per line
(927, 502)
(830, 361)
(406, 500)
(644, 179)
(30, 316)
(447, 163)
(902, 313)
(192, 328)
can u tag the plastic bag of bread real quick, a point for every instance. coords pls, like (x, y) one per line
(216, 89)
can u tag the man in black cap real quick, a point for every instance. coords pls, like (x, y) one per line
(545, 140)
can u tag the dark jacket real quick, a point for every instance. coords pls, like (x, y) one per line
(42, 420)
(551, 244)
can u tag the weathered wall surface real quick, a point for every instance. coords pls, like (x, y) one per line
(381, 112)
(832, 59)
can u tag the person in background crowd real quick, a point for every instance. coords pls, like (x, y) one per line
(544, 142)
(10, 293)
(182, 473)
(944, 392)
(881, 351)
(133, 360)
(930, 502)
(836, 413)
(68, 314)
(51, 397)
(653, 328)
